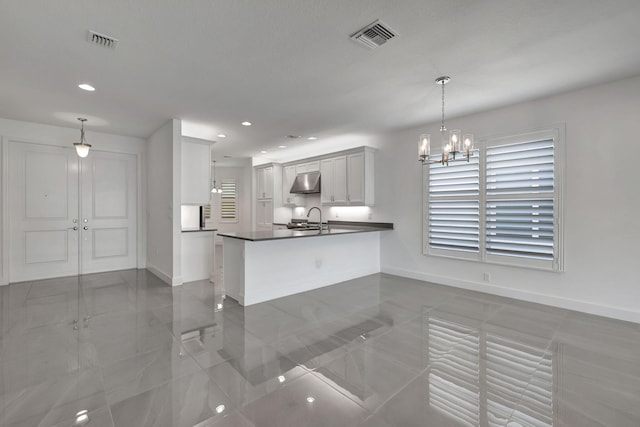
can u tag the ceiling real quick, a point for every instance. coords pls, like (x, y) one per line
(289, 66)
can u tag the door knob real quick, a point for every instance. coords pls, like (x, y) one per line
(73, 228)
(85, 228)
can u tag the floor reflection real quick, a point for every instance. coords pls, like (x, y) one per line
(477, 377)
(124, 349)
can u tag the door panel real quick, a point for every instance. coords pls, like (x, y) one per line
(45, 176)
(112, 242)
(46, 246)
(109, 195)
(43, 196)
(109, 199)
(355, 182)
(327, 171)
(340, 180)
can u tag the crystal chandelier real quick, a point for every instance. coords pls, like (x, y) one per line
(452, 145)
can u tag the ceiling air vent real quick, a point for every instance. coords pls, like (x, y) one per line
(102, 39)
(374, 35)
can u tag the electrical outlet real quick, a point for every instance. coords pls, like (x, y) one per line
(487, 277)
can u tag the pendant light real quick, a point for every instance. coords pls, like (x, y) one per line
(215, 188)
(82, 148)
(453, 145)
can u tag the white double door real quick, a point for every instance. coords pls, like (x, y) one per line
(69, 215)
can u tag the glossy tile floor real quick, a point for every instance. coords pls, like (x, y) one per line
(124, 349)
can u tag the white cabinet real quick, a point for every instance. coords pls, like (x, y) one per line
(355, 179)
(333, 173)
(347, 180)
(288, 176)
(264, 214)
(197, 255)
(196, 173)
(268, 202)
(308, 167)
(264, 183)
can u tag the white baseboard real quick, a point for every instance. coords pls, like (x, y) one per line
(161, 274)
(569, 304)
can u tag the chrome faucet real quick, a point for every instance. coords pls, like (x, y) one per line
(320, 212)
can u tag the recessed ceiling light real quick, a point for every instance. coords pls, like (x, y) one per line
(263, 152)
(282, 146)
(281, 378)
(222, 135)
(312, 138)
(246, 123)
(220, 409)
(311, 399)
(86, 86)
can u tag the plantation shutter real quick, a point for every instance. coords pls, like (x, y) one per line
(454, 211)
(520, 207)
(228, 201)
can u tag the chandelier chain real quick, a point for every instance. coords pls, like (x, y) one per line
(442, 127)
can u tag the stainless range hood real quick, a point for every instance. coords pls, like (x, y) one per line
(306, 183)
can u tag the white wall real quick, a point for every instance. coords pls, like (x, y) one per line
(14, 130)
(163, 204)
(601, 204)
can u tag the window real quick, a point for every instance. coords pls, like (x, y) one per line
(229, 201)
(503, 206)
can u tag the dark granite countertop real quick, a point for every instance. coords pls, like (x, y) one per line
(197, 230)
(335, 228)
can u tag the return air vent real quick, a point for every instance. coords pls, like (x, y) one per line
(102, 39)
(374, 35)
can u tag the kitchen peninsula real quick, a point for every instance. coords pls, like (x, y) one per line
(264, 265)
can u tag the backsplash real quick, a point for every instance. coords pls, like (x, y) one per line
(343, 213)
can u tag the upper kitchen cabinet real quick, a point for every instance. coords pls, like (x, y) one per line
(348, 180)
(196, 172)
(333, 176)
(308, 167)
(264, 182)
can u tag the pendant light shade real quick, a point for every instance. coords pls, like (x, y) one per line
(82, 148)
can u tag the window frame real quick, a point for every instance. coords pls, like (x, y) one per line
(557, 133)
